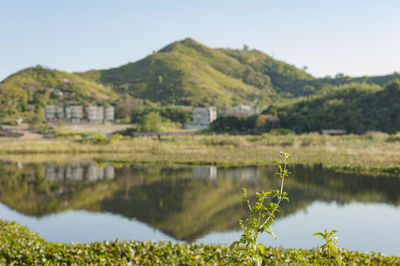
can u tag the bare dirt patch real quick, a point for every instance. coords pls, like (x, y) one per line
(24, 131)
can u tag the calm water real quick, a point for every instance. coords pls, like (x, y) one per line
(86, 201)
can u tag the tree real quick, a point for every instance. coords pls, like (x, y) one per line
(124, 108)
(150, 122)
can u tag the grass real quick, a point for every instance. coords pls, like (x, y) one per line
(374, 153)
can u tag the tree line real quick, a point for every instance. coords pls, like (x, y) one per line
(355, 108)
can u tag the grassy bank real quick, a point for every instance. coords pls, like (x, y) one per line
(375, 153)
(19, 245)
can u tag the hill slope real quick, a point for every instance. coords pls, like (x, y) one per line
(354, 107)
(32, 88)
(190, 73)
(183, 73)
(187, 72)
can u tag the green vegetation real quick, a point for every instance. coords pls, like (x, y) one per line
(356, 108)
(186, 73)
(103, 140)
(27, 92)
(330, 248)
(159, 118)
(262, 215)
(189, 73)
(19, 245)
(341, 79)
(264, 72)
(243, 124)
(151, 122)
(169, 112)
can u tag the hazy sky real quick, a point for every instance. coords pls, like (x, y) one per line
(355, 37)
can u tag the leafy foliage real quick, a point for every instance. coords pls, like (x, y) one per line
(169, 112)
(355, 108)
(262, 216)
(150, 122)
(102, 140)
(232, 123)
(20, 246)
(330, 250)
(251, 124)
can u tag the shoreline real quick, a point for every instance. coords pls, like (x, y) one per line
(367, 154)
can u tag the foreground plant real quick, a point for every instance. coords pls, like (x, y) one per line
(330, 251)
(262, 216)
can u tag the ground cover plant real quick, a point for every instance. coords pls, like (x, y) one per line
(20, 246)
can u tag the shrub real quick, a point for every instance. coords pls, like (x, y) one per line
(169, 112)
(99, 139)
(394, 137)
(150, 122)
(281, 131)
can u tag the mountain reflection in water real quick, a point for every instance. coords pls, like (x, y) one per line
(185, 203)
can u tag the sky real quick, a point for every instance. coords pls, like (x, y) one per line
(354, 37)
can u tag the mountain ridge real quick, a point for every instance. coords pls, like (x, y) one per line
(184, 72)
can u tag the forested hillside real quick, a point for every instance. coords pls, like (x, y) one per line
(28, 91)
(354, 107)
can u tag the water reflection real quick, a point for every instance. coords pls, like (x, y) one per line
(78, 171)
(185, 203)
(205, 172)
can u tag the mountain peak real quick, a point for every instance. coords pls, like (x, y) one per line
(180, 45)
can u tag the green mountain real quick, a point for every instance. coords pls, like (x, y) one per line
(355, 107)
(183, 73)
(187, 72)
(31, 89)
(340, 79)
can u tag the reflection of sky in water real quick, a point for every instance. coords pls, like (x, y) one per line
(367, 226)
(361, 227)
(83, 226)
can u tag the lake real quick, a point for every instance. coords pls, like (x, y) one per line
(85, 201)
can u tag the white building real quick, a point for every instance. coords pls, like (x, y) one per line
(109, 114)
(205, 172)
(241, 109)
(74, 114)
(53, 113)
(95, 115)
(202, 117)
(100, 114)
